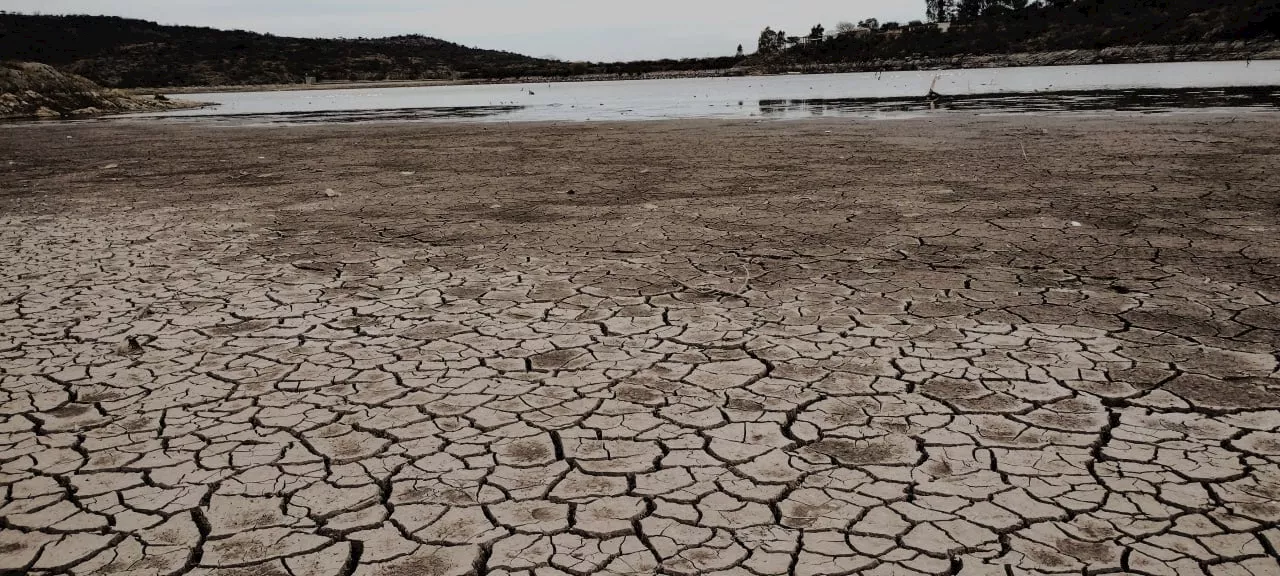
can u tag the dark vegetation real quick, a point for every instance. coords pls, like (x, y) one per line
(1011, 26)
(125, 53)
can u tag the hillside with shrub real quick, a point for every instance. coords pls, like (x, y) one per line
(122, 52)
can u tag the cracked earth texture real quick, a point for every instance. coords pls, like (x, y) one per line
(954, 346)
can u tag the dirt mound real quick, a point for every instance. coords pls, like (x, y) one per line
(30, 90)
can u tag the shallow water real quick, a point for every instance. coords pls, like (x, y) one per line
(1143, 87)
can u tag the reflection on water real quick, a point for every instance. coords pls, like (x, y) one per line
(1100, 87)
(1152, 101)
(1123, 100)
(348, 116)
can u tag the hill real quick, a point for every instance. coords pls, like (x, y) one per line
(30, 90)
(128, 53)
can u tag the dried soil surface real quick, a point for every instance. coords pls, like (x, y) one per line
(955, 345)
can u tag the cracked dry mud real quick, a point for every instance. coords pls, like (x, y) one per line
(807, 348)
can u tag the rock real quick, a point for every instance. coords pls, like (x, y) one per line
(130, 346)
(30, 90)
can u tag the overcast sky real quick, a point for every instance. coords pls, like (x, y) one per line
(597, 30)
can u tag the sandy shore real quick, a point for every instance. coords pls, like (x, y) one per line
(951, 345)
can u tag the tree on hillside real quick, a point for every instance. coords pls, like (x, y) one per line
(970, 10)
(1008, 6)
(940, 10)
(772, 42)
(765, 44)
(817, 32)
(740, 52)
(846, 28)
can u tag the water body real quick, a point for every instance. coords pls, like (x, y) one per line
(1137, 87)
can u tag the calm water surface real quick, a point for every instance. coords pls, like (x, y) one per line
(1143, 87)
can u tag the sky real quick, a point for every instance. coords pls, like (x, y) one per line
(593, 30)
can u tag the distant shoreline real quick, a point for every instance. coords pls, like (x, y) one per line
(1208, 52)
(293, 87)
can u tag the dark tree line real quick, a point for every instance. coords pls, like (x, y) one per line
(1009, 26)
(1155, 12)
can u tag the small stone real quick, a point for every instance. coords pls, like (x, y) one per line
(130, 346)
